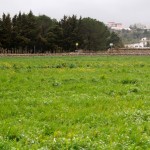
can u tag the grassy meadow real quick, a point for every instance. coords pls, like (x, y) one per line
(75, 103)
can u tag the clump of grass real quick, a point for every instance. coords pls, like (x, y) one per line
(48, 130)
(95, 80)
(13, 134)
(134, 90)
(103, 77)
(59, 66)
(129, 81)
(56, 83)
(4, 145)
(72, 66)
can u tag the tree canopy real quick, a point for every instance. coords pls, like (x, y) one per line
(27, 33)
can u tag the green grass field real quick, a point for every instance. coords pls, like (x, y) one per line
(75, 103)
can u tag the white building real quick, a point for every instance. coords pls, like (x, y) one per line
(135, 45)
(144, 41)
(142, 44)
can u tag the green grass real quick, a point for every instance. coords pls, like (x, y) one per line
(75, 103)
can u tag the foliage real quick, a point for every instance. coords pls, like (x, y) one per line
(27, 33)
(114, 38)
(94, 34)
(70, 27)
(133, 36)
(5, 38)
(74, 102)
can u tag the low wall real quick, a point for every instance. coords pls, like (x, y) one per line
(130, 51)
(106, 52)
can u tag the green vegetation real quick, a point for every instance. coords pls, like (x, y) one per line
(27, 33)
(135, 35)
(75, 103)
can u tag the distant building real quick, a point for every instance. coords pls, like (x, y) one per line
(144, 41)
(126, 29)
(142, 44)
(115, 26)
(135, 45)
(147, 27)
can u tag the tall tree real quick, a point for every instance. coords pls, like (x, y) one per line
(70, 27)
(55, 39)
(45, 24)
(6, 29)
(1, 32)
(94, 34)
(32, 31)
(115, 39)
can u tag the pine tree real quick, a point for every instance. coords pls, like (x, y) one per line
(70, 28)
(6, 29)
(94, 34)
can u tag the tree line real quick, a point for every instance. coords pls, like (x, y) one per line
(27, 33)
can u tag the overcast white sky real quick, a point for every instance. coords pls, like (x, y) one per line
(124, 11)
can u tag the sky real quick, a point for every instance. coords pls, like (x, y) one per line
(126, 12)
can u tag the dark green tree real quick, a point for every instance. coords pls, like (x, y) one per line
(32, 31)
(6, 29)
(70, 29)
(45, 25)
(115, 39)
(1, 32)
(55, 39)
(94, 34)
(15, 44)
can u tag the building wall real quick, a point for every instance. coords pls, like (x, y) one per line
(115, 26)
